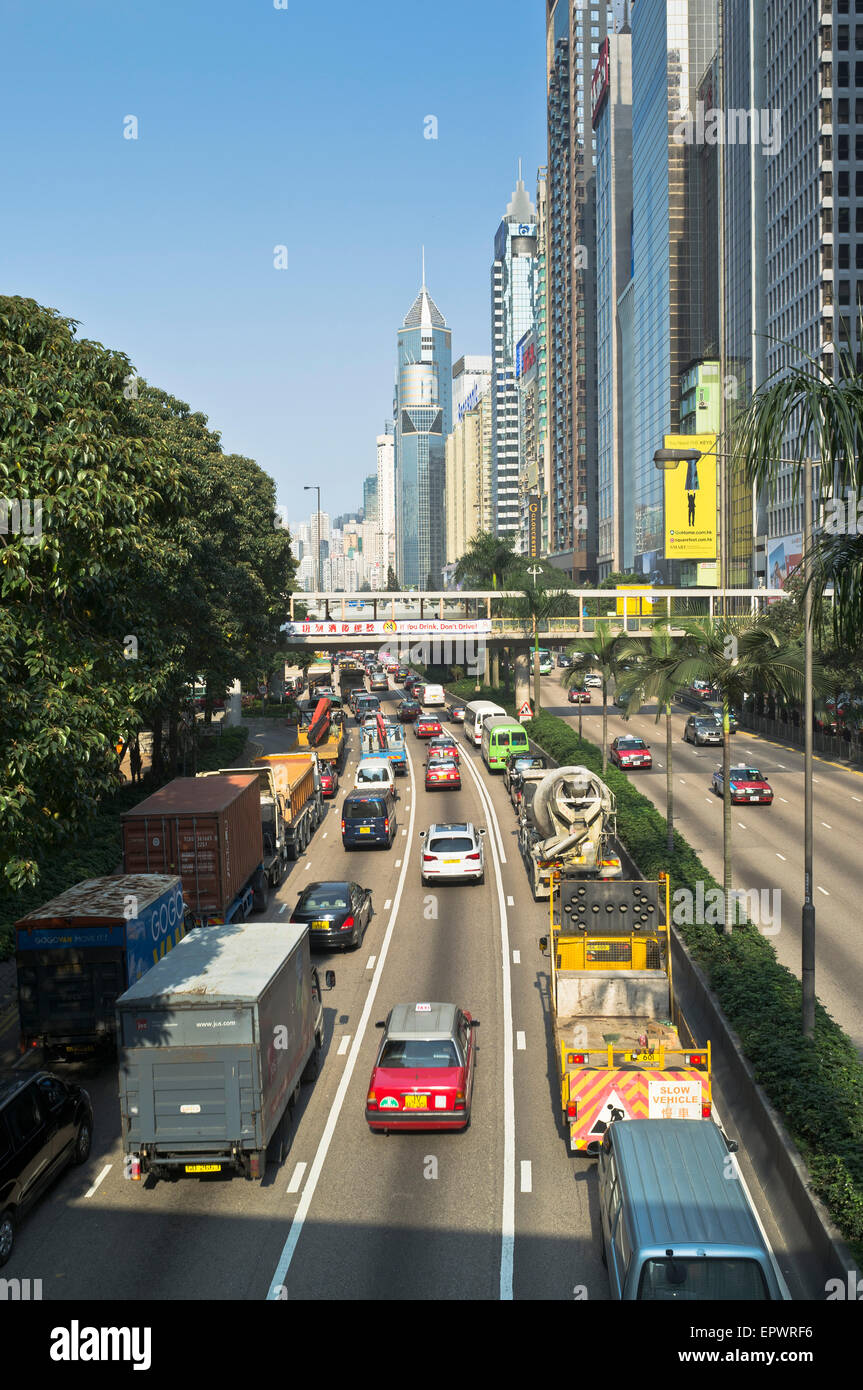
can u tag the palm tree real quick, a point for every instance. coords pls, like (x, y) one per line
(601, 650)
(532, 611)
(824, 417)
(487, 559)
(736, 656)
(654, 679)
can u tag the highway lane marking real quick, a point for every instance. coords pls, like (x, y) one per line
(507, 1245)
(510, 902)
(398, 863)
(516, 957)
(737, 1169)
(324, 836)
(370, 963)
(281, 1271)
(785, 799)
(856, 798)
(388, 904)
(297, 1177)
(681, 781)
(781, 856)
(826, 826)
(782, 765)
(816, 779)
(101, 1178)
(742, 826)
(309, 865)
(526, 1176)
(283, 908)
(343, 1045)
(709, 799)
(823, 890)
(404, 832)
(521, 1045)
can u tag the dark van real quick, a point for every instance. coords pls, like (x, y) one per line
(369, 818)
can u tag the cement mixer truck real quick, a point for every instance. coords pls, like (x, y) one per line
(567, 824)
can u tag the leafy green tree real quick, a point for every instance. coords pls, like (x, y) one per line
(488, 560)
(653, 677)
(393, 586)
(71, 675)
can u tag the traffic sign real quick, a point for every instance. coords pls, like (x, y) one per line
(525, 711)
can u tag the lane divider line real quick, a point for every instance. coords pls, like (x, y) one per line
(344, 1045)
(520, 1044)
(101, 1178)
(297, 1177)
(516, 957)
(526, 1176)
(370, 963)
(280, 1273)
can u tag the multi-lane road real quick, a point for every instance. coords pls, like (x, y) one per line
(767, 840)
(499, 1210)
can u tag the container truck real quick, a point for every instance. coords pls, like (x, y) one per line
(207, 830)
(351, 677)
(77, 953)
(213, 1045)
(319, 673)
(621, 1042)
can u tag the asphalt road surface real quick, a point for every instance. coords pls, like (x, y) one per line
(497, 1211)
(767, 840)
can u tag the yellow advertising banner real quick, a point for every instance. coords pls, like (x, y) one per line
(690, 500)
(635, 607)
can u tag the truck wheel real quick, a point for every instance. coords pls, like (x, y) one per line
(277, 1149)
(312, 1068)
(260, 892)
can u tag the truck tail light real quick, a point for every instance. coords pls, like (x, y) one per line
(255, 1165)
(576, 1059)
(347, 924)
(696, 1059)
(472, 856)
(706, 1110)
(135, 1168)
(572, 1110)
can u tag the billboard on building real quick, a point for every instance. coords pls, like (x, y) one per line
(690, 500)
(783, 557)
(534, 526)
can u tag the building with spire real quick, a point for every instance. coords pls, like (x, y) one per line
(512, 315)
(422, 412)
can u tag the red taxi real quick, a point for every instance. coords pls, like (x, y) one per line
(423, 1076)
(427, 727)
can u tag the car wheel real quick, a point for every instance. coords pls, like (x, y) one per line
(83, 1141)
(481, 878)
(7, 1234)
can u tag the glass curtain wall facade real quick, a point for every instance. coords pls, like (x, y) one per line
(671, 47)
(423, 419)
(513, 298)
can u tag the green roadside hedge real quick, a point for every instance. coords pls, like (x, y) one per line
(817, 1085)
(97, 848)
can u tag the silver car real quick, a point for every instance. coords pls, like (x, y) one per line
(699, 730)
(453, 853)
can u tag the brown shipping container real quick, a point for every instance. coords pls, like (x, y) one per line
(206, 829)
(294, 775)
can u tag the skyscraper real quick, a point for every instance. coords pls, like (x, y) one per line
(423, 419)
(370, 497)
(387, 493)
(512, 300)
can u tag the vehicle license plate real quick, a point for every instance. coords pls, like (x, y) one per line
(365, 830)
(203, 1167)
(651, 1058)
(451, 861)
(321, 926)
(416, 1102)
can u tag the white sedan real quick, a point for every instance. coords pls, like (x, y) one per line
(595, 681)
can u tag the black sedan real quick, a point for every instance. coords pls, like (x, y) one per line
(337, 913)
(408, 711)
(45, 1124)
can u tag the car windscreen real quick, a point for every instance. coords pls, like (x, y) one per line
(365, 809)
(522, 764)
(439, 764)
(320, 899)
(705, 1279)
(746, 774)
(419, 1052)
(631, 743)
(450, 844)
(373, 774)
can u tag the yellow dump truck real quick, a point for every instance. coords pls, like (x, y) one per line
(296, 782)
(620, 1039)
(332, 750)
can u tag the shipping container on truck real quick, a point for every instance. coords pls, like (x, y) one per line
(207, 830)
(289, 815)
(351, 678)
(77, 953)
(213, 1046)
(623, 1047)
(297, 782)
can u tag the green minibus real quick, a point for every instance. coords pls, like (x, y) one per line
(500, 737)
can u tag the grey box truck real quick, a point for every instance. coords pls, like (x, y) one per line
(213, 1044)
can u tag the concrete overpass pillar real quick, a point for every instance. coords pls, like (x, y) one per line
(234, 706)
(522, 676)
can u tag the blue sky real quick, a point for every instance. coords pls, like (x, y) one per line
(260, 127)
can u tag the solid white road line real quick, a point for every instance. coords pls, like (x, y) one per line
(283, 908)
(297, 1177)
(287, 1255)
(344, 1044)
(521, 1045)
(526, 1176)
(507, 1248)
(101, 1178)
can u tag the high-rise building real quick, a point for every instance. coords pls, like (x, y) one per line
(612, 124)
(471, 377)
(370, 497)
(387, 492)
(423, 419)
(530, 441)
(671, 49)
(541, 331)
(575, 29)
(469, 472)
(512, 304)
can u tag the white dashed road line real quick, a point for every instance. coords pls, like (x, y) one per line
(510, 902)
(516, 957)
(388, 904)
(526, 1176)
(781, 856)
(370, 963)
(297, 1177)
(283, 908)
(101, 1178)
(521, 1045)
(344, 1045)
(823, 890)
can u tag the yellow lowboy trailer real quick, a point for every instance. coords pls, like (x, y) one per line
(621, 1042)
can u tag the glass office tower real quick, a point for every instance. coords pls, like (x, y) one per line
(423, 419)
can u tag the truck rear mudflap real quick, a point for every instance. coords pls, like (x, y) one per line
(592, 1098)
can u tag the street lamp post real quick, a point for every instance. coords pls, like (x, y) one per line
(313, 487)
(669, 458)
(535, 570)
